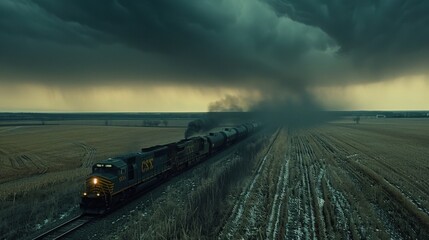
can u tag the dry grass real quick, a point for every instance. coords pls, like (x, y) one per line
(381, 170)
(199, 214)
(42, 168)
(346, 181)
(25, 212)
(30, 150)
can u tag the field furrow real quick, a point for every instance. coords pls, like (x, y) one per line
(334, 181)
(279, 201)
(247, 211)
(303, 220)
(379, 190)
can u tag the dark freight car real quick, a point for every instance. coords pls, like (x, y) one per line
(216, 141)
(230, 135)
(184, 152)
(241, 131)
(249, 127)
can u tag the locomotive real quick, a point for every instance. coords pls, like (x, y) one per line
(116, 179)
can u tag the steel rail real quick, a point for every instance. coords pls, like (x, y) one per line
(65, 228)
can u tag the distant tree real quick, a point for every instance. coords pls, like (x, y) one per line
(165, 122)
(106, 123)
(356, 119)
(155, 123)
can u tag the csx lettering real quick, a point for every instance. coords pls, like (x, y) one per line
(147, 165)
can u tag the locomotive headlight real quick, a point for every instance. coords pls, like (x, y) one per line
(84, 194)
(98, 194)
(95, 180)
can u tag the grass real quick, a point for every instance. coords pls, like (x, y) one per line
(366, 181)
(31, 150)
(21, 212)
(381, 183)
(201, 214)
(42, 168)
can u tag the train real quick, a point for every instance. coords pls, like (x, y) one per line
(116, 179)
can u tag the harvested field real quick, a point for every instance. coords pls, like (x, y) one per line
(42, 168)
(335, 181)
(30, 150)
(343, 181)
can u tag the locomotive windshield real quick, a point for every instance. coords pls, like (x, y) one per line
(104, 168)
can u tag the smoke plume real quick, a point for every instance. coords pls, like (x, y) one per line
(201, 125)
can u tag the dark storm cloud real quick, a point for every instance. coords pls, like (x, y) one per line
(275, 46)
(203, 42)
(381, 38)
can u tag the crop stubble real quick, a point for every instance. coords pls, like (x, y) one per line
(42, 168)
(339, 181)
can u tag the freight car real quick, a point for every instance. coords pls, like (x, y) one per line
(116, 179)
(230, 134)
(241, 132)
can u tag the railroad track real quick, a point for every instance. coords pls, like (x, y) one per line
(66, 228)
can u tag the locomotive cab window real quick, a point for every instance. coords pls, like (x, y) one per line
(110, 170)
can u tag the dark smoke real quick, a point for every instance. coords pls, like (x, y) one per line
(297, 110)
(219, 111)
(303, 114)
(227, 104)
(201, 125)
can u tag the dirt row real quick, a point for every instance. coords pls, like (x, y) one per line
(330, 182)
(380, 209)
(249, 214)
(318, 184)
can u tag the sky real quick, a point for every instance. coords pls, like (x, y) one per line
(213, 55)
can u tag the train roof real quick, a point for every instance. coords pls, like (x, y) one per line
(116, 162)
(153, 148)
(128, 155)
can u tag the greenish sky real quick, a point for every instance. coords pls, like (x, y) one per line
(188, 55)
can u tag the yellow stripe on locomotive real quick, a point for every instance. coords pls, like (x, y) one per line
(98, 186)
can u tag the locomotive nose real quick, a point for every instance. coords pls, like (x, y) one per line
(99, 186)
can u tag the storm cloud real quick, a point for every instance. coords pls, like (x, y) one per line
(380, 38)
(200, 42)
(278, 47)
